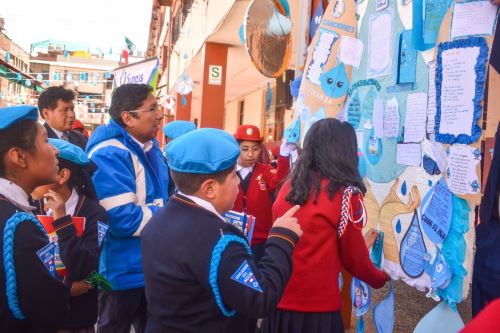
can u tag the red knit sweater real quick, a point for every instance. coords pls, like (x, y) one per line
(257, 200)
(319, 255)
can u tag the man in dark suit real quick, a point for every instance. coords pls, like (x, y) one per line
(57, 108)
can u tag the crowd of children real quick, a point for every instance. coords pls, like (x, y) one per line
(124, 235)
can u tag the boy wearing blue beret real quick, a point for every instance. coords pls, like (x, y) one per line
(198, 270)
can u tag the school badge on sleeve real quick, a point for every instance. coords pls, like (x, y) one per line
(245, 276)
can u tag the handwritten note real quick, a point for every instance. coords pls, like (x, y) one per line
(431, 98)
(436, 218)
(350, 51)
(461, 171)
(391, 118)
(378, 118)
(473, 18)
(439, 155)
(409, 154)
(458, 90)
(380, 43)
(416, 114)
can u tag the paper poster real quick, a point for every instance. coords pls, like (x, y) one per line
(335, 82)
(437, 212)
(381, 4)
(407, 59)
(461, 173)
(320, 54)
(416, 115)
(409, 154)
(361, 297)
(378, 118)
(431, 98)
(380, 43)
(350, 51)
(354, 111)
(440, 156)
(473, 18)
(439, 272)
(435, 11)
(413, 249)
(391, 118)
(458, 90)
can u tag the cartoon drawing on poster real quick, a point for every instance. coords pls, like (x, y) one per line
(461, 175)
(334, 82)
(361, 296)
(391, 118)
(437, 208)
(413, 250)
(380, 43)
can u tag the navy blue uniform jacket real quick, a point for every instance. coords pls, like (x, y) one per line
(177, 246)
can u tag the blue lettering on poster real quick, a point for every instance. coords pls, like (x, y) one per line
(413, 250)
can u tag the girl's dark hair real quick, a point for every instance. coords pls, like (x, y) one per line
(21, 135)
(80, 178)
(330, 151)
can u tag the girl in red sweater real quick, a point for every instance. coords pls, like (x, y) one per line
(326, 171)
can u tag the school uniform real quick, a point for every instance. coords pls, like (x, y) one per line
(198, 269)
(255, 195)
(312, 302)
(31, 298)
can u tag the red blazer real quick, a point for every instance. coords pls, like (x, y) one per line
(257, 200)
(319, 255)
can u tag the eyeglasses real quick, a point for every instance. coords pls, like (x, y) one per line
(153, 108)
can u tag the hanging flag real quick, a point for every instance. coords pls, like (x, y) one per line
(316, 20)
(130, 45)
(128, 48)
(269, 97)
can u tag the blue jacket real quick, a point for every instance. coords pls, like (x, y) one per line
(131, 186)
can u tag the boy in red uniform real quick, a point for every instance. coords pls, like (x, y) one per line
(326, 184)
(257, 183)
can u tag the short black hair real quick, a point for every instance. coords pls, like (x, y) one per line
(49, 97)
(80, 177)
(21, 135)
(128, 97)
(189, 183)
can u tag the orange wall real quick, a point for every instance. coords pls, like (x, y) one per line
(212, 96)
(183, 112)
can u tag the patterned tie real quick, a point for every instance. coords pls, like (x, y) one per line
(65, 136)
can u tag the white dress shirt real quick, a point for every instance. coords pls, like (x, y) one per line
(203, 204)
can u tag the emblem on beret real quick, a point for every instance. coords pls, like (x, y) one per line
(249, 131)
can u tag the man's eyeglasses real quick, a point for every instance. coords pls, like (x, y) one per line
(153, 108)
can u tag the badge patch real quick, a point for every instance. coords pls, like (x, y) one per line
(102, 228)
(245, 276)
(47, 256)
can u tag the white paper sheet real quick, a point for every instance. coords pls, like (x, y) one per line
(473, 18)
(391, 118)
(380, 43)
(360, 137)
(458, 90)
(350, 51)
(416, 115)
(461, 175)
(378, 118)
(431, 98)
(409, 154)
(428, 149)
(440, 156)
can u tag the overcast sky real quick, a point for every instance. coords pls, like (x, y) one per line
(102, 23)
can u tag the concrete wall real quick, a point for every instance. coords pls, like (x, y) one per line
(254, 106)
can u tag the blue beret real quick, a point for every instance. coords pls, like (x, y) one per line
(177, 128)
(70, 152)
(11, 115)
(203, 151)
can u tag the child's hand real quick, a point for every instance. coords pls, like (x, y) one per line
(370, 237)
(289, 222)
(80, 287)
(56, 203)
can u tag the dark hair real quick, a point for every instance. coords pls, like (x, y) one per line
(128, 97)
(21, 135)
(80, 178)
(330, 151)
(49, 97)
(189, 183)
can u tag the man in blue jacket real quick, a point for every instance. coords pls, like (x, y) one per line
(131, 182)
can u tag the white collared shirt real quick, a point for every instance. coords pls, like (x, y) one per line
(203, 204)
(243, 171)
(144, 146)
(70, 204)
(58, 133)
(15, 194)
